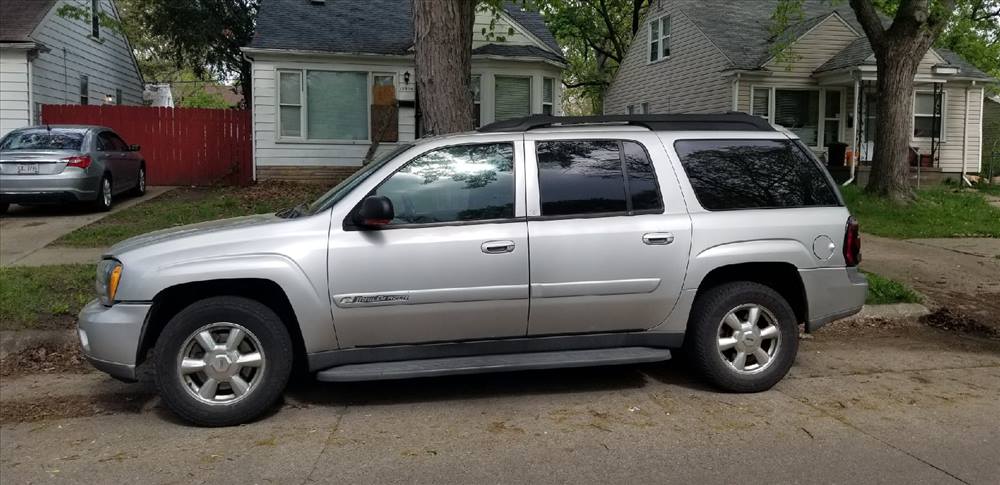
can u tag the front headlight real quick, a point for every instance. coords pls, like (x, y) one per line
(109, 274)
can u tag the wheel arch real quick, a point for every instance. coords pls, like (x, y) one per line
(781, 276)
(170, 301)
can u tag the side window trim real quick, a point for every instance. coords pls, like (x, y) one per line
(348, 224)
(629, 211)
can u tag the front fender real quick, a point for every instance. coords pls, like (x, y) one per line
(759, 251)
(308, 296)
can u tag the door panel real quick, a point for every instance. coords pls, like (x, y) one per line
(452, 264)
(429, 284)
(609, 245)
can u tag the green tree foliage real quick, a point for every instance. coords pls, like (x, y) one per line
(595, 36)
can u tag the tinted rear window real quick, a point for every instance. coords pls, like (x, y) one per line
(43, 140)
(586, 177)
(749, 174)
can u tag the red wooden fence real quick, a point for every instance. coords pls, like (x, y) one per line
(182, 146)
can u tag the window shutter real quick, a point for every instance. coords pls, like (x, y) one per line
(513, 97)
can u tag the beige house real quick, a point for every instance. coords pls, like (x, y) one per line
(714, 55)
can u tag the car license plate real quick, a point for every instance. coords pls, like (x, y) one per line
(27, 169)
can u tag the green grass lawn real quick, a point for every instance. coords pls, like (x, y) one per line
(937, 212)
(44, 297)
(190, 205)
(883, 291)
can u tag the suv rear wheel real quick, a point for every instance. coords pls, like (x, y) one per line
(223, 361)
(743, 336)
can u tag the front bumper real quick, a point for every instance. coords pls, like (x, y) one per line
(832, 294)
(110, 336)
(64, 187)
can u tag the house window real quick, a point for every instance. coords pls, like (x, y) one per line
(798, 111)
(761, 103)
(118, 96)
(659, 39)
(927, 111)
(638, 109)
(477, 105)
(548, 87)
(290, 103)
(831, 118)
(512, 97)
(95, 18)
(84, 89)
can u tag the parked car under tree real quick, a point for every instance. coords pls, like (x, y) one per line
(68, 163)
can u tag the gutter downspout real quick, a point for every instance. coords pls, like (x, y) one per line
(965, 134)
(736, 92)
(856, 153)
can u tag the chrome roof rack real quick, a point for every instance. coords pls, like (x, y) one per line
(732, 121)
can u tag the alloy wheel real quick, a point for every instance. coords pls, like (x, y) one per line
(748, 338)
(221, 363)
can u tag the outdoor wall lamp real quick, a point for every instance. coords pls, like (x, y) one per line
(108, 99)
(406, 77)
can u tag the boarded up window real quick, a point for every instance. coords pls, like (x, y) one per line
(385, 110)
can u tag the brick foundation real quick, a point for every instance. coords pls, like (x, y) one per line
(311, 174)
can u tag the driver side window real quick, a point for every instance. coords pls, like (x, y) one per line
(453, 184)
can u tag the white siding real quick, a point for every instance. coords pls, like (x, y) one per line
(269, 150)
(954, 133)
(107, 62)
(501, 28)
(15, 107)
(690, 81)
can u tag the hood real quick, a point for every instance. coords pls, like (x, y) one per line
(192, 230)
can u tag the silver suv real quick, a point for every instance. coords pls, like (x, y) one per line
(535, 243)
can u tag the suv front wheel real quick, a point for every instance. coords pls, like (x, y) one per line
(743, 336)
(223, 361)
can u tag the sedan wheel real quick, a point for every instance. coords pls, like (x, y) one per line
(140, 182)
(103, 201)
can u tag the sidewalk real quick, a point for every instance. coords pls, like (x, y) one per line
(962, 274)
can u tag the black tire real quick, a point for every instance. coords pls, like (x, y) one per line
(702, 345)
(140, 185)
(104, 195)
(262, 323)
(3, 207)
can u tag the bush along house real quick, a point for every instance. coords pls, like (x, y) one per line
(332, 77)
(816, 79)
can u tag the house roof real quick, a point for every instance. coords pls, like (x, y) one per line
(510, 50)
(361, 26)
(741, 30)
(20, 17)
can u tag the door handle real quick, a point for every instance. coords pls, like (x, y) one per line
(497, 247)
(657, 238)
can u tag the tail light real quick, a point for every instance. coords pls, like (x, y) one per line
(852, 242)
(79, 162)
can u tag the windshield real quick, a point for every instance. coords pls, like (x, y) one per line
(42, 139)
(340, 190)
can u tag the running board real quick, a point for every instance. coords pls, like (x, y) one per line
(491, 363)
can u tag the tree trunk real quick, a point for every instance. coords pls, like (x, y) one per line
(894, 123)
(443, 55)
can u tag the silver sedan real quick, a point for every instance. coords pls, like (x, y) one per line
(68, 163)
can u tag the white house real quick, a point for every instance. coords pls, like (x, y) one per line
(46, 58)
(331, 76)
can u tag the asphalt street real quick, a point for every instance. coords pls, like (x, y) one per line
(867, 402)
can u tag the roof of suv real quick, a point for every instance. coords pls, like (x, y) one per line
(732, 121)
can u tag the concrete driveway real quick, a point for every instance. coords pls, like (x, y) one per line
(867, 402)
(24, 230)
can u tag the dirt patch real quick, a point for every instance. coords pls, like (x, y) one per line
(45, 359)
(951, 320)
(71, 407)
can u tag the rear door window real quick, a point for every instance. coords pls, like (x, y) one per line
(595, 177)
(753, 174)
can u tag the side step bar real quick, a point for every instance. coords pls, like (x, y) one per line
(492, 363)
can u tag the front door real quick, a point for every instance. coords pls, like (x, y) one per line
(452, 264)
(609, 233)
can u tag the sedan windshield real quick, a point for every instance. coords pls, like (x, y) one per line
(43, 139)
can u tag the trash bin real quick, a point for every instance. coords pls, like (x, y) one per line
(836, 154)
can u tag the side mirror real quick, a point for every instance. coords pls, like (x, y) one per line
(133, 148)
(374, 212)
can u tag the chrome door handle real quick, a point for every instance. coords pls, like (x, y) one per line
(657, 238)
(497, 247)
